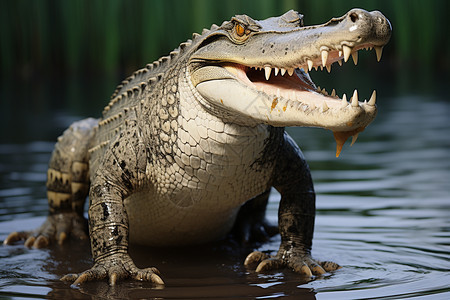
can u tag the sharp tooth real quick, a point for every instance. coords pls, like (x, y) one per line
(282, 71)
(379, 51)
(290, 71)
(354, 138)
(308, 79)
(318, 89)
(324, 106)
(344, 100)
(276, 71)
(373, 98)
(347, 51)
(340, 62)
(268, 70)
(333, 93)
(324, 57)
(355, 99)
(329, 68)
(310, 64)
(355, 57)
(340, 53)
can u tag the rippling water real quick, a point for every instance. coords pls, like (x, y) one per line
(383, 214)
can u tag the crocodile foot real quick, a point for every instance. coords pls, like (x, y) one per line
(304, 264)
(56, 227)
(115, 267)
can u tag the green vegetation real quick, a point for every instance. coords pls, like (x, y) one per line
(111, 38)
(105, 35)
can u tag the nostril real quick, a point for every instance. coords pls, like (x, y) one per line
(354, 17)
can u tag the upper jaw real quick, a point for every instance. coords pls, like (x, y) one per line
(288, 54)
(294, 83)
(294, 86)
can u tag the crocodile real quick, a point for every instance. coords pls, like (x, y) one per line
(189, 146)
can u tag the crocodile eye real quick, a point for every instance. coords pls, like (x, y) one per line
(240, 30)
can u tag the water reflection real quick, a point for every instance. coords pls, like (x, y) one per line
(383, 213)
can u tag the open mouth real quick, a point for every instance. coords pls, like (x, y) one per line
(295, 84)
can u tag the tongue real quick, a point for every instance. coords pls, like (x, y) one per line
(342, 136)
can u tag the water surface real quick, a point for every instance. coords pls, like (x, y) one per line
(383, 214)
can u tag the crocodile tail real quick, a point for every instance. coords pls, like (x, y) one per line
(68, 171)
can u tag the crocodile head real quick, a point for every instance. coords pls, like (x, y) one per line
(257, 71)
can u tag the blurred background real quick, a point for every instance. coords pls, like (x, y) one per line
(61, 60)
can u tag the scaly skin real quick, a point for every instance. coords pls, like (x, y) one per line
(188, 140)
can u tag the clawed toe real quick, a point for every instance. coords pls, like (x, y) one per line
(115, 269)
(317, 269)
(264, 261)
(86, 277)
(113, 278)
(304, 265)
(304, 270)
(255, 257)
(29, 242)
(269, 264)
(41, 242)
(69, 277)
(15, 237)
(330, 266)
(57, 227)
(149, 275)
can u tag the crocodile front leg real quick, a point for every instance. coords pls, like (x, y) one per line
(296, 216)
(108, 227)
(119, 173)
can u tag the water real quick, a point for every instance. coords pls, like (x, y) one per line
(383, 214)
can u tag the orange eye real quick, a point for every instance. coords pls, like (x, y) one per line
(239, 29)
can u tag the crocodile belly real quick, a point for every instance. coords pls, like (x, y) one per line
(186, 218)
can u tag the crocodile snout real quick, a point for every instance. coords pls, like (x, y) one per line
(372, 24)
(382, 25)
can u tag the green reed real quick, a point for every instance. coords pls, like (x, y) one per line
(72, 38)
